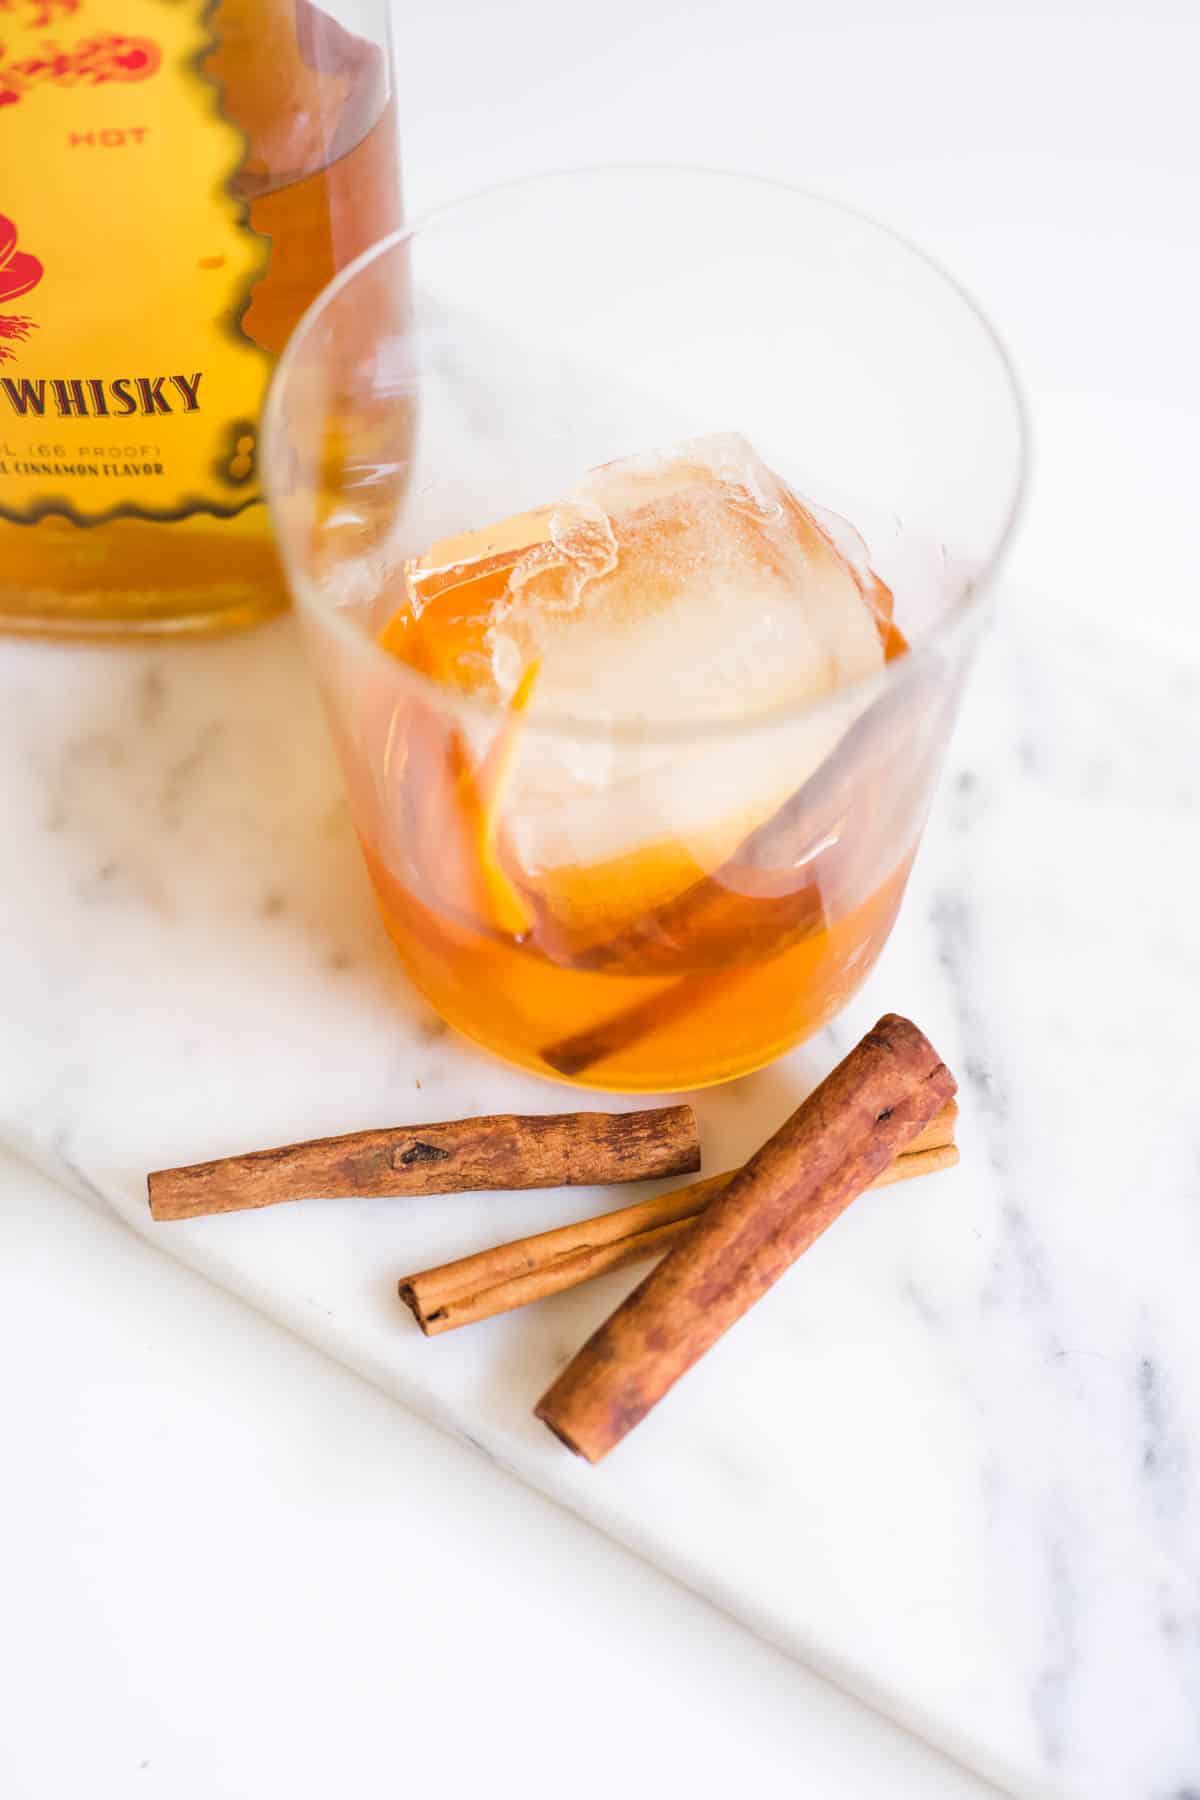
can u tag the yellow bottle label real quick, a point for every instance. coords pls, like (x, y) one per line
(127, 386)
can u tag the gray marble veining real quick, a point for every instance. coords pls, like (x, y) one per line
(964, 1478)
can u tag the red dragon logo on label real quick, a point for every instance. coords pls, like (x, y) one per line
(92, 61)
(19, 273)
(40, 11)
(108, 56)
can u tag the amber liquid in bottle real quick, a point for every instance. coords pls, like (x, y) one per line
(321, 182)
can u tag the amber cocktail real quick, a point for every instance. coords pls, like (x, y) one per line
(639, 730)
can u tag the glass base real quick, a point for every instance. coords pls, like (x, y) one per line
(130, 578)
(200, 622)
(662, 1035)
(688, 1081)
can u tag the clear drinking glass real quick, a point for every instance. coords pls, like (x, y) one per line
(624, 825)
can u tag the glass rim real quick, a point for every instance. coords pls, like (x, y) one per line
(966, 607)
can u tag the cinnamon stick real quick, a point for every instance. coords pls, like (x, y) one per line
(778, 885)
(620, 1031)
(503, 1150)
(511, 1275)
(845, 1134)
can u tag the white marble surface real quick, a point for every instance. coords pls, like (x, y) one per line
(241, 1572)
(967, 1487)
(949, 1462)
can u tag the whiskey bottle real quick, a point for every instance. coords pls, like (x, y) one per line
(180, 181)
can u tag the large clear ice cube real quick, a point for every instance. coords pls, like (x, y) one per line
(683, 586)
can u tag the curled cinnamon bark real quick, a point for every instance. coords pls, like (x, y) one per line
(501, 1150)
(511, 1275)
(844, 1135)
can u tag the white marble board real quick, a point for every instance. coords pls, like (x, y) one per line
(953, 1460)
